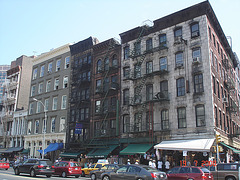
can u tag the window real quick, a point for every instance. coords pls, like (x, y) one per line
(179, 59)
(89, 59)
(164, 86)
(38, 110)
(113, 124)
(165, 119)
(114, 61)
(216, 63)
(196, 54)
(163, 63)
(58, 64)
(178, 34)
(64, 102)
(40, 88)
(162, 40)
(114, 82)
(99, 66)
(50, 67)
(106, 64)
(98, 85)
(210, 33)
(106, 84)
(198, 83)
(200, 115)
(180, 87)
(62, 124)
(126, 52)
(113, 104)
(137, 48)
(218, 48)
(214, 41)
(126, 72)
(220, 119)
(53, 124)
(31, 108)
(56, 84)
(214, 85)
(149, 92)
(34, 74)
(36, 126)
(149, 120)
(126, 123)
(67, 62)
(149, 45)
(218, 90)
(137, 96)
(54, 105)
(46, 103)
(212, 58)
(97, 106)
(33, 90)
(182, 117)
(82, 114)
(195, 30)
(48, 85)
(137, 122)
(65, 82)
(126, 97)
(149, 67)
(137, 71)
(29, 127)
(105, 106)
(42, 71)
(89, 75)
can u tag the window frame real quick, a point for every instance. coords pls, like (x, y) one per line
(181, 115)
(201, 116)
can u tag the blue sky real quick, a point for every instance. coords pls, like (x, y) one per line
(29, 27)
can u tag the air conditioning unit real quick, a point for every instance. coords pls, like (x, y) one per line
(178, 39)
(224, 100)
(195, 34)
(196, 60)
(179, 65)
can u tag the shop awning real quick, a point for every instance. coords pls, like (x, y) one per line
(229, 147)
(132, 149)
(52, 147)
(101, 152)
(13, 149)
(3, 150)
(201, 145)
(25, 151)
(71, 154)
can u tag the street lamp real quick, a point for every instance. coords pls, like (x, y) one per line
(44, 131)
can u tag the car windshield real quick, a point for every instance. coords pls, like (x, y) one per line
(45, 163)
(150, 169)
(72, 164)
(205, 170)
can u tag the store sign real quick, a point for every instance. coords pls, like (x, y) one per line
(78, 128)
(184, 153)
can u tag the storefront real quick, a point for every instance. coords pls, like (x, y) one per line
(185, 152)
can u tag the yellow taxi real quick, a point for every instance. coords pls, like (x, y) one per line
(95, 166)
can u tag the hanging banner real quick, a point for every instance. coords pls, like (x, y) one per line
(78, 128)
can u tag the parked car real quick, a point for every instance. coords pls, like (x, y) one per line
(189, 173)
(35, 167)
(225, 171)
(134, 172)
(67, 168)
(96, 174)
(95, 166)
(4, 165)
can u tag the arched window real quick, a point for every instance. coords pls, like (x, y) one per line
(99, 66)
(106, 64)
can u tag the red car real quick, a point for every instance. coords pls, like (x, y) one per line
(189, 173)
(67, 168)
(4, 165)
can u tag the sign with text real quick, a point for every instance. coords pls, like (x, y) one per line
(78, 128)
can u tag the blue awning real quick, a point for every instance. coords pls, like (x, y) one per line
(52, 147)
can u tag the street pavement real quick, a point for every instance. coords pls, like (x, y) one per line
(9, 175)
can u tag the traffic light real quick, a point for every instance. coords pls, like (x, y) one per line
(218, 138)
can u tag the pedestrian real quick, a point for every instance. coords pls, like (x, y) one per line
(167, 165)
(160, 165)
(137, 161)
(128, 162)
(154, 164)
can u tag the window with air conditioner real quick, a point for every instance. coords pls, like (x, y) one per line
(195, 30)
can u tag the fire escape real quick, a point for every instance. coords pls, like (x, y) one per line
(230, 100)
(108, 87)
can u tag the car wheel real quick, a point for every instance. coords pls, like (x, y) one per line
(32, 173)
(77, 176)
(230, 178)
(139, 179)
(190, 179)
(93, 176)
(83, 174)
(106, 178)
(64, 175)
(49, 176)
(16, 171)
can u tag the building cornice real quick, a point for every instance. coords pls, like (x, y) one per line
(51, 54)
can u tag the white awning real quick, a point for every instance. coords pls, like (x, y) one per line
(202, 145)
